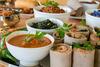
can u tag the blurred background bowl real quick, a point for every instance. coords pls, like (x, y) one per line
(38, 19)
(62, 16)
(92, 21)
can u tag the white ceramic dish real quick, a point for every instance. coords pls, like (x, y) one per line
(71, 40)
(62, 16)
(38, 19)
(26, 16)
(87, 6)
(73, 17)
(92, 21)
(28, 56)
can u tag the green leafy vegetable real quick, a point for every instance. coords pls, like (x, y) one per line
(45, 24)
(86, 46)
(61, 30)
(39, 35)
(51, 3)
(3, 50)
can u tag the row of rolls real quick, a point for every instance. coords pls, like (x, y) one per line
(80, 47)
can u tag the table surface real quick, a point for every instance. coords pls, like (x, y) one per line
(3, 64)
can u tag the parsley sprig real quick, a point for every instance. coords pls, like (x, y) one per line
(51, 3)
(86, 46)
(61, 30)
(37, 35)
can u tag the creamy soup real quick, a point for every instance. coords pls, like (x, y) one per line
(34, 43)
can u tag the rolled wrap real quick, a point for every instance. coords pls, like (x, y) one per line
(97, 57)
(61, 57)
(83, 58)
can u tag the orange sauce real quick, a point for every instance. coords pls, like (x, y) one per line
(34, 43)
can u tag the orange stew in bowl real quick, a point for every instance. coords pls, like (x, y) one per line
(34, 43)
(52, 9)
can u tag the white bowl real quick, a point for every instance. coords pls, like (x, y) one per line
(85, 0)
(71, 40)
(92, 21)
(38, 19)
(62, 16)
(28, 56)
(87, 6)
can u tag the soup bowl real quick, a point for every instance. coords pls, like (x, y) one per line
(62, 16)
(38, 20)
(28, 56)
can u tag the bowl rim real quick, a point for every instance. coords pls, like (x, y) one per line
(25, 32)
(96, 3)
(28, 21)
(36, 10)
(90, 11)
(75, 38)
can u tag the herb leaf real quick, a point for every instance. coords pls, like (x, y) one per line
(3, 51)
(39, 35)
(61, 30)
(86, 46)
(51, 3)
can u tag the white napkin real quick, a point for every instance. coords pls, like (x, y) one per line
(74, 4)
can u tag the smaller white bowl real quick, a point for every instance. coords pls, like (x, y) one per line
(62, 16)
(38, 19)
(87, 6)
(71, 40)
(92, 21)
(28, 56)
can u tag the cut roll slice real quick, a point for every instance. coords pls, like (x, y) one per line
(74, 37)
(83, 58)
(60, 56)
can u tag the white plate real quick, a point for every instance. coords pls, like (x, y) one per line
(26, 16)
(73, 17)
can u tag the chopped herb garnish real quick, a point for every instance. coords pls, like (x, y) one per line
(61, 30)
(86, 46)
(37, 35)
(51, 3)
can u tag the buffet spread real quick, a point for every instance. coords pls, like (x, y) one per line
(43, 36)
